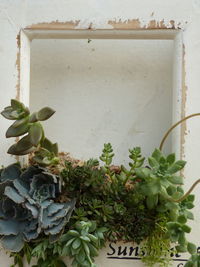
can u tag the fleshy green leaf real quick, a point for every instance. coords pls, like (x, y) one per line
(181, 249)
(35, 133)
(153, 162)
(157, 154)
(171, 158)
(152, 201)
(192, 249)
(186, 228)
(15, 104)
(14, 151)
(177, 166)
(6, 113)
(182, 219)
(24, 144)
(76, 244)
(142, 172)
(17, 131)
(33, 117)
(45, 113)
(176, 179)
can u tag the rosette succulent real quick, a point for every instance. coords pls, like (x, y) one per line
(28, 207)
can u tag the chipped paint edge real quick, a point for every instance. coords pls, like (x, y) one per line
(17, 64)
(130, 24)
(183, 106)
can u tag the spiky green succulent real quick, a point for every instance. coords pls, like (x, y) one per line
(28, 207)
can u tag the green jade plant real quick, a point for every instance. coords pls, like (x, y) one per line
(57, 206)
(29, 126)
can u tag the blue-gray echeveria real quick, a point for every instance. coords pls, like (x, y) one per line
(28, 207)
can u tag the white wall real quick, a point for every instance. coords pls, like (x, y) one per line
(183, 14)
(104, 91)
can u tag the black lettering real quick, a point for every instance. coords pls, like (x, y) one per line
(180, 264)
(142, 253)
(113, 250)
(120, 251)
(136, 249)
(198, 250)
(177, 255)
(172, 250)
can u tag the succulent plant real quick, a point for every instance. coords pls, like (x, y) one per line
(29, 126)
(82, 243)
(28, 207)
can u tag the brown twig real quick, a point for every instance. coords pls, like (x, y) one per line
(174, 126)
(186, 194)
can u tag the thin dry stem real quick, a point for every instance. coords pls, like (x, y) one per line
(174, 126)
(186, 194)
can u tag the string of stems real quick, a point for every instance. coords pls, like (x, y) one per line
(174, 126)
(161, 146)
(186, 194)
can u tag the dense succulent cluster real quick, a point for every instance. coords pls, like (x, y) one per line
(113, 203)
(28, 207)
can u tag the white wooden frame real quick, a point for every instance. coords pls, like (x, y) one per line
(175, 19)
(27, 35)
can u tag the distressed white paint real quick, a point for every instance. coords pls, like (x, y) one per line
(18, 14)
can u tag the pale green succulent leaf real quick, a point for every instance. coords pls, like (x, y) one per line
(24, 144)
(55, 148)
(17, 131)
(33, 117)
(176, 179)
(14, 151)
(35, 133)
(20, 122)
(6, 113)
(153, 163)
(46, 143)
(152, 201)
(171, 158)
(157, 154)
(45, 113)
(192, 249)
(15, 104)
(177, 166)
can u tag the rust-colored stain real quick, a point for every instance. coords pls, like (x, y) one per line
(54, 25)
(153, 24)
(131, 24)
(183, 106)
(135, 24)
(17, 63)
